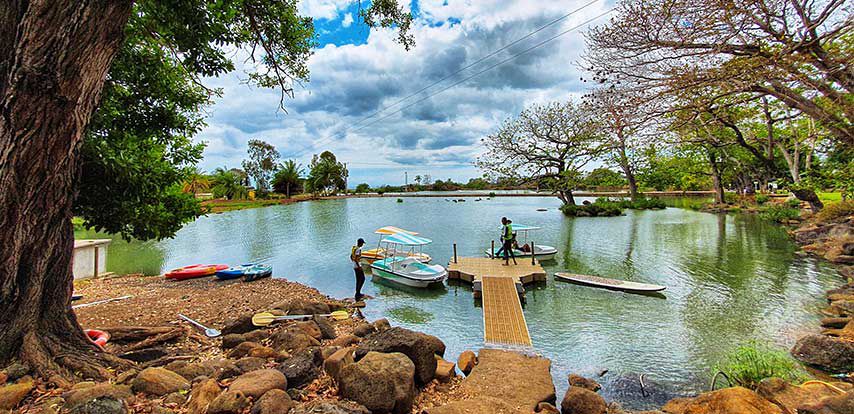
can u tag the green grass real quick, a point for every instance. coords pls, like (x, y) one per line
(779, 213)
(753, 362)
(825, 197)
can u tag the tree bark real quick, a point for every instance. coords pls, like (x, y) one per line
(808, 195)
(716, 178)
(54, 56)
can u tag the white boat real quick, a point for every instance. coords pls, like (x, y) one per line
(372, 255)
(405, 270)
(541, 252)
(613, 284)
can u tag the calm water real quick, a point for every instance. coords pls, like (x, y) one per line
(730, 278)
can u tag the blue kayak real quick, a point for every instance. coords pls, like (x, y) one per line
(248, 272)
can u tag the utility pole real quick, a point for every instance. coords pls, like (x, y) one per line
(406, 181)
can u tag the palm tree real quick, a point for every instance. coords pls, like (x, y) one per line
(228, 184)
(288, 177)
(196, 182)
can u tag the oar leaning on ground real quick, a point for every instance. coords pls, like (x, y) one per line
(267, 318)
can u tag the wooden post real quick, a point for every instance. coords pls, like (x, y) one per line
(533, 261)
(455, 253)
(95, 272)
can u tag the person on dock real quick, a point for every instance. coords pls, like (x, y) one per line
(356, 257)
(507, 237)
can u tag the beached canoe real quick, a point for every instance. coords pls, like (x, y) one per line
(249, 272)
(613, 284)
(194, 271)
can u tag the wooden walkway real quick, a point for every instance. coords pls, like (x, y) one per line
(500, 286)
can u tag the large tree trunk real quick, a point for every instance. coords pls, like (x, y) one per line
(716, 178)
(54, 56)
(626, 166)
(808, 195)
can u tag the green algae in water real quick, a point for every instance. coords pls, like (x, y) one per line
(410, 314)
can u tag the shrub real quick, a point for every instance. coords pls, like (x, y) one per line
(836, 210)
(380, 192)
(730, 198)
(780, 213)
(793, 203)
(492, 194)
(600, 208)
(762, 199)
(753, 362)
(399, 200)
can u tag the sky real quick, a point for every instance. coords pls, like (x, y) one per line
(354, 104)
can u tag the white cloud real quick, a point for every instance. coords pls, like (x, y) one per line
(442, 132)
(348, 20)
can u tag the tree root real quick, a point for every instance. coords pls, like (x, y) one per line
(67, 358)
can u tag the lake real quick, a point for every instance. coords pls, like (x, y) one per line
(729, 278)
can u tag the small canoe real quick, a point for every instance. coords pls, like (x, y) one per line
(194, 271)
(613, 284)
(248, 272)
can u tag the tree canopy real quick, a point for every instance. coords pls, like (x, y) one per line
(326, 174)
(262, 164)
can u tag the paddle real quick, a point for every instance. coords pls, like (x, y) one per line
(266, 318)
(98, 302)
(209, 332)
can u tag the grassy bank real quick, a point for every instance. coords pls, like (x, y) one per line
(221, 205)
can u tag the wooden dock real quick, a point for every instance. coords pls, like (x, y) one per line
(500, 287)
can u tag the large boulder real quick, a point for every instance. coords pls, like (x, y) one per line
(241, 325)
(580, 400)
(579, 381)
(338, 360)
(300, 369)
(190, 370)
(229, 402)
(792, 397)
(202, 395)
(735, 400)
(832, 354)
(303, 307)
(477, 405)
(310, 328)
(521, 381)
(836, 404)
(330, 407)
(419, 347)
(327, 331)
(467, 361)
(159, 381)
(273, 402)
(382, 382)
(12, 395)
(222, 368)
(293, 339)
(256, 383)
(105, 397)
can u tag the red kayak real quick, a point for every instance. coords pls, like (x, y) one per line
(194, 271)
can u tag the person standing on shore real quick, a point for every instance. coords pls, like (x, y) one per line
(356, 257)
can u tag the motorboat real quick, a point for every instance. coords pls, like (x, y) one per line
(407, 270)
(541, 252)
(381, 252)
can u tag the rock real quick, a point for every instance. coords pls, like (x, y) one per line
(3, 378)
(327, 351)
(330, 407)
(241, 325)
(364, 329)
(346, 340)
(159, 381)
(203, 394)
(467, 361)
(327, 331)
(229, 402)
(735, 400)
(844, 307)
(232, 340)
(436, 345)
(265, 352)
(303, 307)
(832, 354)
(477, 405)
(127, 376)
(292, 340)
(257, 335)
(381, 325)
(300, 369)
(786, 395)
(382, 382)
(250, 364)
(338, 360)
(243, 349)
(222, 368)
(419, 347)
(105, 405)
(256, 383)
(175, 398)
(189, 370)
(273, 402)
(445, 370)
(310, 328)
(15, 371)
(145, 355)
(579, 381)
(835, 322)
(580, 400)
(161, 410)
(11, 395)
(836, 404)
(519, 380)
(77, 398)
(546, 408)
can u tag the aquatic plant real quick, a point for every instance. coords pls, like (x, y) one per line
(752, 362)
(399, 200)
(410, 314)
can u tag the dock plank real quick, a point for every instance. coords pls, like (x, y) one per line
(503, 319)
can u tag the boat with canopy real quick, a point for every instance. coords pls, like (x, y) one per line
(404, 269)
(372, 255)
(541, 252)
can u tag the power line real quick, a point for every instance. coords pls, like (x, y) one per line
(491, 54)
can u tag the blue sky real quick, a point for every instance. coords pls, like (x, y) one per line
(357, 71)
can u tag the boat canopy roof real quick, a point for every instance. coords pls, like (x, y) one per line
(407, 239)
(389, 230)
(522, 227)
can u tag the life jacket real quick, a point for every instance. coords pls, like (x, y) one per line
(508, 232)
(353, 253)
